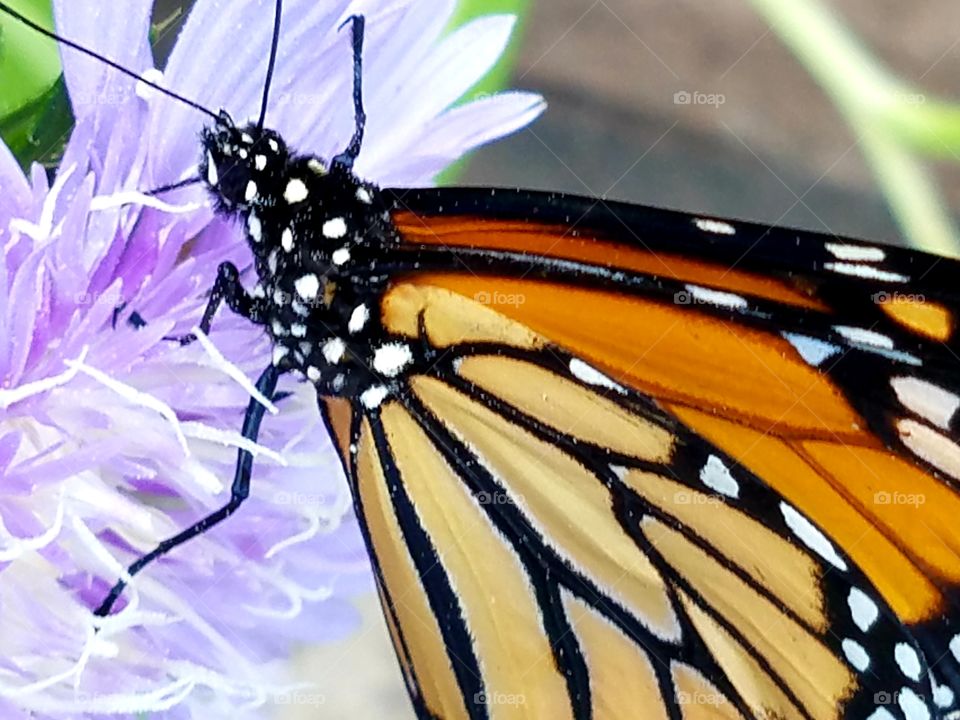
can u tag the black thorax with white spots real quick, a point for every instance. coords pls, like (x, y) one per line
(316, 232)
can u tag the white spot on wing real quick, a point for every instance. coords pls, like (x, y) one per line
(299, 308)
(881, 713)
(717, 297)
(716, 476)
(363, 195)
(810, 536)
(260, 161)
(295, 192)
(862, 336)
(333, 350)
(864, 271)
(912, 706)
(926, 399)
(286, 239)
(279, 353)
(313, 373)
(863, 610)
(307, 286)
(298, 330)
(858, 253)
(255, 228)
(373, 396)
(907, 660)
(812, 350)
(335, 228)
(341, 256)
(856, 654)
(591, 376)
(955, 646)
(391, 359)
(943, 696)
(251, 191)
(358, 318)
(717, 227)
(318, 167)
(937, 449)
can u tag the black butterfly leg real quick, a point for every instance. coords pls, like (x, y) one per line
(347, 157)
(227, 287)
(239, 491)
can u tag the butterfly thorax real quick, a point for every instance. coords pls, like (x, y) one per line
(316, 232)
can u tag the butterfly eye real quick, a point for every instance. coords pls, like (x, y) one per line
(228, 167)
(238, 162)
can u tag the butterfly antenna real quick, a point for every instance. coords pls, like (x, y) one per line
(271, 63)
(174, 186)
(347, 157)
(4, 7)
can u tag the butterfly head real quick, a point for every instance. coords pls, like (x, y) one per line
(238, 161)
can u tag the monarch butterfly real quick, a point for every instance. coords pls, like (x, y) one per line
(669, 481)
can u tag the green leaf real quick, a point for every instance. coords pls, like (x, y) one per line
(39, 130)
(34, 114)
(29, 62)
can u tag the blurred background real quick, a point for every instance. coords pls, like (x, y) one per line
(773, 148)
(758, 139)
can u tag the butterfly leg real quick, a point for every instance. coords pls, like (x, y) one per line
(135, 319)
(239, 491)
(347, 157)
(227, 288)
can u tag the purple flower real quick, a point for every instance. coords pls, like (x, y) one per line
(113, 439)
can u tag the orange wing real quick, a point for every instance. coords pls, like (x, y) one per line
(780, 427)
(756, 388)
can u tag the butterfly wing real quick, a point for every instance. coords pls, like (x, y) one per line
(661, 461)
